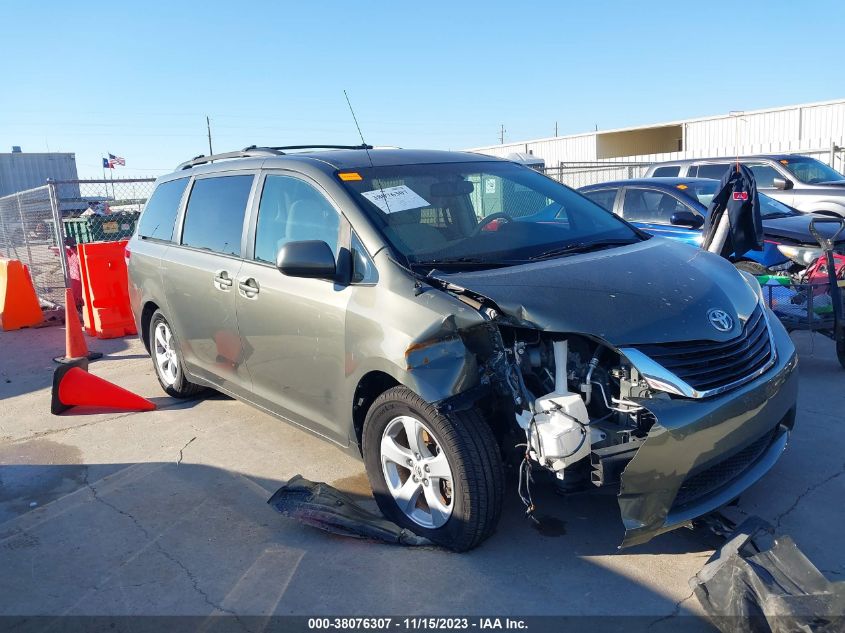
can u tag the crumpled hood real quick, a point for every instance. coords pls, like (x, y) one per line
(654, 291)
(797, 228)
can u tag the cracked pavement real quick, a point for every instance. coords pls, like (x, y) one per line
(165, 513)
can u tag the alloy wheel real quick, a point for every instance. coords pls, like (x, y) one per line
(165, 354)
(417, 472)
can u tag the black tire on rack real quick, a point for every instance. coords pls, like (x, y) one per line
(751, 267)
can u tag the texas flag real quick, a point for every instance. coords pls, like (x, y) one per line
(107, 164)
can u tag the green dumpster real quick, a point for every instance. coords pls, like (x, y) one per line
(101, 228)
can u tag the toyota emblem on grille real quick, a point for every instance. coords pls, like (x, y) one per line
(720, 320)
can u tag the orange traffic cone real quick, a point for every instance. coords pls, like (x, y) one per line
(75, 346)
(73, 386)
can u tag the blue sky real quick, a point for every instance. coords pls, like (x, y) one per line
(138, 79)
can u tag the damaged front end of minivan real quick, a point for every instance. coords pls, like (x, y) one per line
(681, 428)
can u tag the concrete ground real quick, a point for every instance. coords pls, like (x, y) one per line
(164, 513)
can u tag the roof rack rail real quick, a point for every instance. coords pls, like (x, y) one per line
(283, 147)
(249, 152)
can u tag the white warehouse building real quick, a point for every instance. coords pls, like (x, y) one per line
(814, 129)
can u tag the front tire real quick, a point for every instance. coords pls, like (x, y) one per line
(440, 476)
(167, 360)
(751, 267)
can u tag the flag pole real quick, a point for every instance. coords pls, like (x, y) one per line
(111, 171)
(105, 180)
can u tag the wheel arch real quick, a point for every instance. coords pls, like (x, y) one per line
(824, 206)
(435, 371)
(147, 313)
(370, 386)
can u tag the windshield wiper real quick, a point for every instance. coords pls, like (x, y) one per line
(580, 247)
(779, 214)
(458, 261)
(449, 260)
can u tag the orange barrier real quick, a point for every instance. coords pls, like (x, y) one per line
(73, 386)
(105, 290)
(19, 305)
(85, 296)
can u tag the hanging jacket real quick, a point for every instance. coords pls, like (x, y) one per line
(738, 198)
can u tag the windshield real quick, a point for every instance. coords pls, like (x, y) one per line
(810, 171)
(701, 192)
(484, 213)
(771, 208)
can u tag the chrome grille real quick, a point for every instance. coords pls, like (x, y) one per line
(708, 365)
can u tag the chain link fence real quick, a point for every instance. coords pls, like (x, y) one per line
(42, 227)
(100, 210)
(26, 234)
(581, 174)
(95, 211)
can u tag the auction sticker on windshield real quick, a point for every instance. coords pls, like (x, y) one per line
(395, 199)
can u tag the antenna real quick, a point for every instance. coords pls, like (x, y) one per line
(366, 149)
(360, 133)
(208, 126)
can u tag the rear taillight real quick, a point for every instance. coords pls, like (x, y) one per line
(126, 253)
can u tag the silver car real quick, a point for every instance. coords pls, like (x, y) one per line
(800, 182)
(443, 316)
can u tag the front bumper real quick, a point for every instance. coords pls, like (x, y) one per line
(702, 454)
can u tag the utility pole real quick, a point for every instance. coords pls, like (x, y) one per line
(502, 131)
(555, 128)
(208, 127)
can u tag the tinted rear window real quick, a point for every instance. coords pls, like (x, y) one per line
(714, 171)
(764, 175)
(215, 215)
(667, 172)
(160, 213)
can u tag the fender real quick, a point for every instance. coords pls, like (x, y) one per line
(824, 207)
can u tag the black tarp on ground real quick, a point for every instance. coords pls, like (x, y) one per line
(319, 505)
(757, 583)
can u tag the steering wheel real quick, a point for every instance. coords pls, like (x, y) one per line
(489, 219)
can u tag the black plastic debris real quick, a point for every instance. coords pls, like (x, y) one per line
(321, 506)
(757, 583)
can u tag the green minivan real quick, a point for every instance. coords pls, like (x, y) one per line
(443, 315)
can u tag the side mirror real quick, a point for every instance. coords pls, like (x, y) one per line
(782, 183)
(309, 258)
(687, 219)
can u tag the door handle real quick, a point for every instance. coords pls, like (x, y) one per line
(222, 280)
(248, 287)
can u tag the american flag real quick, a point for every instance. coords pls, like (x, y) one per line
(116, 160)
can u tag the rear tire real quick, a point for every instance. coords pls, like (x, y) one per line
(448, 477)
(167, 360)
(752, 267)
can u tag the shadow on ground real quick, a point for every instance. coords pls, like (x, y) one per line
(165, 538)
(28, 357)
